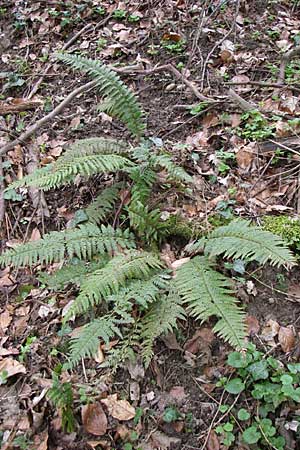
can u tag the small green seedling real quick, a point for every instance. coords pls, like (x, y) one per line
(263, 385)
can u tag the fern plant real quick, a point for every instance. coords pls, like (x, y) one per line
(127, 289)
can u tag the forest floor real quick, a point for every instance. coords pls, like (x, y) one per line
(229, 52)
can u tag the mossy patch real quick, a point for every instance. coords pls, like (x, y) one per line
(286, 227)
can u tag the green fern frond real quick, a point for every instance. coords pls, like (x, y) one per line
(143, 178)
(61, 395)
(241, 240)
(121, 102)
(141, 292)
(95, 146)
(146, 222)
(81, 242)
(87, 343)
(107, 281)
(64, 170)
(175, 172)
(208, 293)
(103, 204)
(72, 273)
(161, 319)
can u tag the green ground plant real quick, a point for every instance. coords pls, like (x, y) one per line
(264, 385)
(286, 227)
(111, 254)
(255, 126)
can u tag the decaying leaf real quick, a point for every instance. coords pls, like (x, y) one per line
(119, 409)
(252, 325)
(94, 419)
(213, 441)
(270, 331)
(286, 338)
(11, 367)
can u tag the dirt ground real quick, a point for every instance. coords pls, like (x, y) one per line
(218, 46)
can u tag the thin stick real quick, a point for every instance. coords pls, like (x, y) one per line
(2, 187)
(65, 47)
(243, 104)
(33, 128)
(262, 84)
(166, 68)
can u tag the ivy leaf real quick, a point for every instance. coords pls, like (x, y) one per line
(251, 435)
(243, 414)
(238, 360)
(170, 415)
(235, 386)
(259, 370)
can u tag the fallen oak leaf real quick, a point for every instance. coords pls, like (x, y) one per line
(94, 419)
(119, 409)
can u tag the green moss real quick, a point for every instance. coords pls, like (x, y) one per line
(176, 225)
(286, 227)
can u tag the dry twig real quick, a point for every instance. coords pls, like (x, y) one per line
(37, 125)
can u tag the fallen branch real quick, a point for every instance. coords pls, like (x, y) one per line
(286, 57)
(166, 68)
(33, 128)
(243, 104)
(262, 84)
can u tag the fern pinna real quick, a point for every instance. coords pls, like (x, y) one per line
(132, 295)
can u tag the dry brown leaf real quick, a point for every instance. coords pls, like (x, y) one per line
(177, 394)
(213, 441)
(41, 441)
(289, 105)
(94, 419)
(161, 441)
(294, 290)
(170, 341)
(246, 155)
(11, 367)
(99, 357)
(119, 409)
(35, 235)
(200, 341)
(252, 325)
(241, 79)
(6, 279)
(103, 444)
(5, 320)
(171, 37)
(286, 338)
(179, 262)
(270, 331)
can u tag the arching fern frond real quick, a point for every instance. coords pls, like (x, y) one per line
(142, 292)
(208, 293)
(95, 146)
(120, 101)
(107, 281)
(65, 169)
(56, 246)
(175, 172)
(103, 204)
(161, 319)
(239, 239)
(87, 342)
(72, 273)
